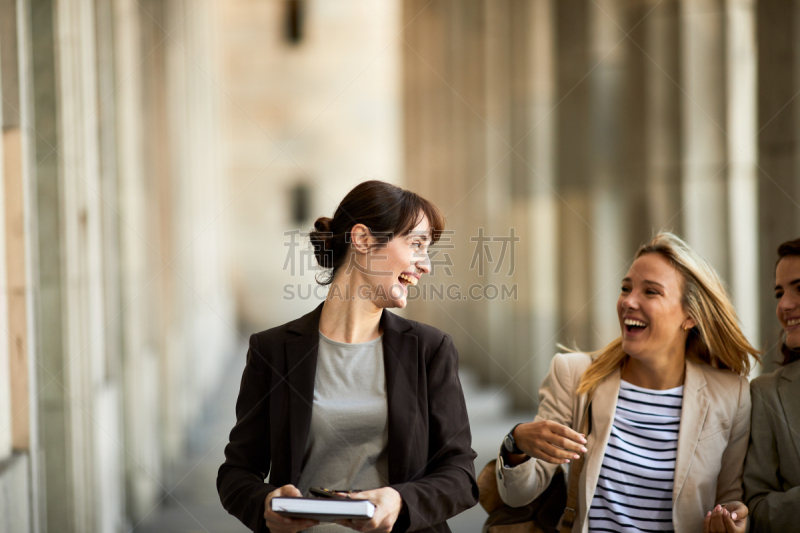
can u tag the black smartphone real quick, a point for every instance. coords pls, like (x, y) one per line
(326, 493)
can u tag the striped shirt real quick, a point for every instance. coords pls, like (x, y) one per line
(634, 491)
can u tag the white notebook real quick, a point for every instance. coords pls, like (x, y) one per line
(322, 509)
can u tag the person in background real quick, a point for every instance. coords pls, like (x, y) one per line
(772, 468)
(670, 408)
(351, 397)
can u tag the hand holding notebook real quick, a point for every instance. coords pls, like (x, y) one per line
(322, 510)
(282, 524)
(287, 511)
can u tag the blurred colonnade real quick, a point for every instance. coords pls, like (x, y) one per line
(118, 313)
(588, 126)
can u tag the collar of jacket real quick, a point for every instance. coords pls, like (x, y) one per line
(401, 366)
(791, 372)
(789, 394)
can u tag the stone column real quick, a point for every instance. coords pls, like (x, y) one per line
(92, 432)
(573, 148)
(529, 200)
(446, 153)
(521, 73)
(705, 139)
(110, 512)
(201, 329)
(516, 58)
(468, 208)
(173, 114)
(541, 261)
(662, 135)
(427, 140)
(632, 182)
(501, 158)
(778, 185)
(75, 434)
(616, 190)
(53, 404)
(740, 67)
(13, 353)
(139, 59)
(23, 263)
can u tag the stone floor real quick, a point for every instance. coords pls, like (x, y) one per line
(193, 505)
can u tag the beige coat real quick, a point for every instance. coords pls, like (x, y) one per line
(712, 442)
(772, 469)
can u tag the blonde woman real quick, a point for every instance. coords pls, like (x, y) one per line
(670, 408)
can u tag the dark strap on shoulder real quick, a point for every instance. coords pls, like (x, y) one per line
(570, 511)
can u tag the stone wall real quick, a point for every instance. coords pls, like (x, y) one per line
(322, 113)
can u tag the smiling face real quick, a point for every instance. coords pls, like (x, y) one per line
(395, 266)
(650, 310)
(787, 291)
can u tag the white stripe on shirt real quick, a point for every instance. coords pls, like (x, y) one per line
(634, 491)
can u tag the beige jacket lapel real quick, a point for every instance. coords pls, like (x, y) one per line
(693, 415)
(604, 406)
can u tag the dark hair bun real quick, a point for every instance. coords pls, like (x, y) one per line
(323, 224)
(320, 240)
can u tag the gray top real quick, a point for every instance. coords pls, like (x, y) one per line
(347, 446)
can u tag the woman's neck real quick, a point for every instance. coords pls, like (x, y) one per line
(661, 374)
(347, 318)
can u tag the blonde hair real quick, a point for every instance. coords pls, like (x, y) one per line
(716, 340)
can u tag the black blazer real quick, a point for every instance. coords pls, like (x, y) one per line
(430, 458)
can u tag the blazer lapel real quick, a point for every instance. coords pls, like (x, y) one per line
(693, 415)
(604, 406)
(789, 393)
(400, 358)
(301, 370)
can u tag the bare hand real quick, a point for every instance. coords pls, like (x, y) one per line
(281, 524)
(726, 518)
(549, 441)
(388, 504)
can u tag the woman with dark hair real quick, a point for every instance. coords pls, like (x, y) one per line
(351, 397)
(772, 468)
